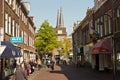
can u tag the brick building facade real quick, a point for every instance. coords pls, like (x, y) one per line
(16, 22)
(105, 20)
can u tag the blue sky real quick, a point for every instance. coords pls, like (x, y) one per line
(72, 10)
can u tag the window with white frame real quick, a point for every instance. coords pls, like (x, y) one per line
(25, 21)
(9, 25)
(13, 27)
(22, 16)
(30, 41)
(109, 25)
(118, 12)
(20, 12)
(13, 4)
(105, 24)
(17, 9)
(25, 38)
(22, 34)
(101, 26)
(16, 29)
(98, 26)
(6, 22)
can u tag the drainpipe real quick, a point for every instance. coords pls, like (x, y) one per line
(113, 43)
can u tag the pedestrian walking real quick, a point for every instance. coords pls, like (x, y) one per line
(23, 65)
(48, 63)
(20, 74)
(52, 65)
(32, 66)
(14, 63)
(27, 68)
(39, 64)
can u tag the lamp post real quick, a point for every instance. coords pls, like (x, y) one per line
(113, 43)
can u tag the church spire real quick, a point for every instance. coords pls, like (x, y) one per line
(60, 21)
(57, 19)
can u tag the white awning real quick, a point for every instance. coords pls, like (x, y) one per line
(2, 48)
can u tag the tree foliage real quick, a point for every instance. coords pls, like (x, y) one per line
(46, 38)
(66, 46)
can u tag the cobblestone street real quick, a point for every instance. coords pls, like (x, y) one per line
(46, 74)
(66, 72)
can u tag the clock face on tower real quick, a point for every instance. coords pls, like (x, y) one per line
(59, 31)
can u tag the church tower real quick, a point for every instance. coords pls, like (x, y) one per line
(60, 29)
(60, 21)
(61, 33)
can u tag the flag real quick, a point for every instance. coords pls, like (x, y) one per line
(93, 33)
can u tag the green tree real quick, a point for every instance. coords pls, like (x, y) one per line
(66, 46)
(46, 38)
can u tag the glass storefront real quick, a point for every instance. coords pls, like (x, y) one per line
(118, 61)
(6, 67)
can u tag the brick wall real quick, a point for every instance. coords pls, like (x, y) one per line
(1, 17)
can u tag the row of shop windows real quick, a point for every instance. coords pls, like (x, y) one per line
(8, 66)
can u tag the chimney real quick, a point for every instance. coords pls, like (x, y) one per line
(27, 6)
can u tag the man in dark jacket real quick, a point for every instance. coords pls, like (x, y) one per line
(52, 64)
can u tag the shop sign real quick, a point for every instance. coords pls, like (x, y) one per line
(16, 39)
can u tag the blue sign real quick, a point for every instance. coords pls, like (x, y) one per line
(16, 39)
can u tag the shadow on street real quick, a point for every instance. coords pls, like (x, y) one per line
(83, 73)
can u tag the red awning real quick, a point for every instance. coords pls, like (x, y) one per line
(103, 46)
